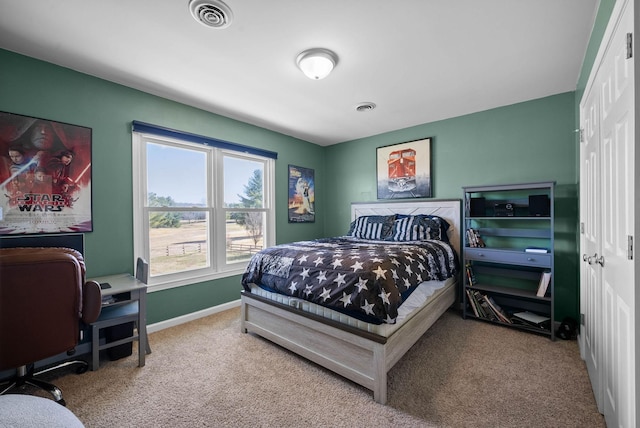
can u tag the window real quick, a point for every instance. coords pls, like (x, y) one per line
(201, 209)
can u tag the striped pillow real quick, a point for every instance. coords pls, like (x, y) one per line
(419, 228)
(407, 229)
(376, 227)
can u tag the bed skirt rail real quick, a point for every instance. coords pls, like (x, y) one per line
(359, 356)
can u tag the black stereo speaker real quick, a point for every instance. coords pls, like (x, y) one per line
(477, 207)
(539, 205)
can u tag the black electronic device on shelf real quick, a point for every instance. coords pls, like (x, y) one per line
(504, 210)
(539, 205)
(477, 207)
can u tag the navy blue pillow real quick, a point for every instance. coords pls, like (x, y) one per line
(436, 227)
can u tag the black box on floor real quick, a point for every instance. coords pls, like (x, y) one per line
(117, 332)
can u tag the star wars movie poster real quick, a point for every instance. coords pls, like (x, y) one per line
(45, 176)
(301, 195)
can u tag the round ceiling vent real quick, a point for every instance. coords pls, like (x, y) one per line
(211, 13)
(365, 106)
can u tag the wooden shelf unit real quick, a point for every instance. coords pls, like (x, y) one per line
(504, 272)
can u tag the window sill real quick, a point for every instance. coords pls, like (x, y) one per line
(165, 285)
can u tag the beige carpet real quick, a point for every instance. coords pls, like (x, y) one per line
(460, 374)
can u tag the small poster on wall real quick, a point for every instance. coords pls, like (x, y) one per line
(45, 176)
(301, 195)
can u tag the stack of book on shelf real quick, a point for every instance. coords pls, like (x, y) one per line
(471, 278)
(545, 279)
(484, 306)
(532, 320)
(474, 239)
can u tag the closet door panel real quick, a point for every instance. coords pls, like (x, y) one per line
(617, 158)
(591, 225)
(607, 213)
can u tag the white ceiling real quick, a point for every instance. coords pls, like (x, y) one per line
(418, 60)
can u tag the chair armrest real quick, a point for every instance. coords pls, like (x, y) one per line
(91, 302)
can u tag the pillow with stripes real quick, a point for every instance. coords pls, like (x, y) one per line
(376, 227)
(419, 228)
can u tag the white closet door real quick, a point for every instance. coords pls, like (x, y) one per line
(617, 130)
(607, 190)
(591, 225)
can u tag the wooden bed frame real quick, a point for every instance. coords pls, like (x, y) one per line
(362, 357)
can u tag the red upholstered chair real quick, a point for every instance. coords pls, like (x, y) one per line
(43, 299)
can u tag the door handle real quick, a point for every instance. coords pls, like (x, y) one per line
(589, 259)
(594, 258)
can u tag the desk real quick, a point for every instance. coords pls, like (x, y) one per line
(130, 304)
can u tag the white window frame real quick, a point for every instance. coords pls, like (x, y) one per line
(218, 267)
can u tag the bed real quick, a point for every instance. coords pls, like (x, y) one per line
(346, 342)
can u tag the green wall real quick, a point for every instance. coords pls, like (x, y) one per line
(526, 142)
(532, 141)
(39, 89)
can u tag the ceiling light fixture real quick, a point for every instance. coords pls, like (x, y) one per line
(316, 63)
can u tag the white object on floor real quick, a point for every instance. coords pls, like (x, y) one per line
(19, 410)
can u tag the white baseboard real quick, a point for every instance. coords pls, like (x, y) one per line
(191, 317)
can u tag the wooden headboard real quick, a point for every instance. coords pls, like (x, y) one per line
(449, 209)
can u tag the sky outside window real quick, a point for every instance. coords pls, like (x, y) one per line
(181, 174)
(237, 173)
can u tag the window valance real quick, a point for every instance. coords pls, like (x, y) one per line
(147, 128)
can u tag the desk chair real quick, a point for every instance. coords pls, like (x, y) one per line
(43, 299)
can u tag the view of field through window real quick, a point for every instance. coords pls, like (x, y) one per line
(180, 215)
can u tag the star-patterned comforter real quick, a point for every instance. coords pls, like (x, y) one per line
(363, 278)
